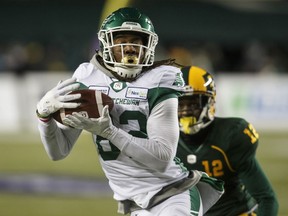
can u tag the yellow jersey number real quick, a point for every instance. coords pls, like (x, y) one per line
(251, 132)
(215, 169)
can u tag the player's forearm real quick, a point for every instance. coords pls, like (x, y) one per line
(57, 142)
(158, 150)
(152, 153)
(265, 197)
(268, 206)
(261, 190)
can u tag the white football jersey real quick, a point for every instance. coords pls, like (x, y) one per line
(133, 102)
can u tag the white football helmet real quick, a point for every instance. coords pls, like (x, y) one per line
(129, 21)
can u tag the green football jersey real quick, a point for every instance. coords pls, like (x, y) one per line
(226, 150)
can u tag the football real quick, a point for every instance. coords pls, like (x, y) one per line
(92, 103)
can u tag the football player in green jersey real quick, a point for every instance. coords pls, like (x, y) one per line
(224, 148)
(137, 141)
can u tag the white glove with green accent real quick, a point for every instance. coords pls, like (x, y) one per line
(57, 98)
(101, 126)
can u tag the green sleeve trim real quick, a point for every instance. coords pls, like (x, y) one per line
(157, 95)
(82, 86)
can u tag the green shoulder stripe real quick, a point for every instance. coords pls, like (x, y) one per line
(159, 94)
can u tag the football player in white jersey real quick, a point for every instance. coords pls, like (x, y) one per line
(137, 140)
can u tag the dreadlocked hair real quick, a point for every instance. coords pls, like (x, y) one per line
(171, 62)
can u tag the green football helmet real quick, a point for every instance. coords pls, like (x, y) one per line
(197, 103)
(127, 21)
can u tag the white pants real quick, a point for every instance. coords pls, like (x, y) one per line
(188, 203)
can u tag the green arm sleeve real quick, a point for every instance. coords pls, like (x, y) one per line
(260, 188)
(250, 172)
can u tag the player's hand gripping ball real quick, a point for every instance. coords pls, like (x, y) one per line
(92, 103)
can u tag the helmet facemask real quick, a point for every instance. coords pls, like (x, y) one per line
(130, 64)
(196, 111)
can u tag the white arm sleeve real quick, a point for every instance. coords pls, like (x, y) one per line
(57, 139)
(159, 149)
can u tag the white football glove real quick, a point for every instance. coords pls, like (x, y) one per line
(57, 97)
(101, 126)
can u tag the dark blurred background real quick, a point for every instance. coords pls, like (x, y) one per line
(243, 42)
(220, 35)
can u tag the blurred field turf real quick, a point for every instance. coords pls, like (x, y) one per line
(24, 154)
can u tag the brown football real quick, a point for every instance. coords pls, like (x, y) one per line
(92, 103)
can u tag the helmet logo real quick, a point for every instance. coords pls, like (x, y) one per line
(208, 82)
